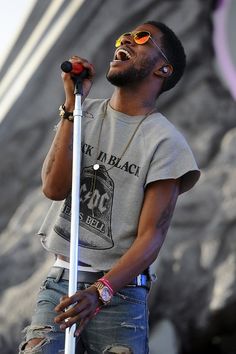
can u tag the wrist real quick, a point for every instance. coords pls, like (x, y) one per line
(69, 106)
(65, 114)
(104, 290)
(106, 282)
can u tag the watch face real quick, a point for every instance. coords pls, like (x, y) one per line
(105, 294)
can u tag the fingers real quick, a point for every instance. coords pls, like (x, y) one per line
(66, 301)
(82, 305)
(85, 64)
(85, 320)
(81, 316)
(81, 326)
(68, 306)
(69, 83)
(72, 311)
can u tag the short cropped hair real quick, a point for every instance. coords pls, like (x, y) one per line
(174, 51)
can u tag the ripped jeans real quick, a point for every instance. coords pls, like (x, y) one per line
(119, 328)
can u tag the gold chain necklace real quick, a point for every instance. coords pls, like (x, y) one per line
(96, 166)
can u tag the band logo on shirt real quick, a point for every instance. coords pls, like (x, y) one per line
(112, 160)
(96, 199)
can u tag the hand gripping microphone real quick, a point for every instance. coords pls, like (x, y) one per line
(78, 72)
(76, 69)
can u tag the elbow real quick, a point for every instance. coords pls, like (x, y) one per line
(55, 188)
(150, 256)
(54, 193)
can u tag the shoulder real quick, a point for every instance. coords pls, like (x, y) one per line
(172, 156)
(159, 130)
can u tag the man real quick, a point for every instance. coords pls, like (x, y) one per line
(134, 166)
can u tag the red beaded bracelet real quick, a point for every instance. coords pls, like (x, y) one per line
(107, 283)
(96, 311)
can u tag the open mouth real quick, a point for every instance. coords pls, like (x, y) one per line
(122, 55)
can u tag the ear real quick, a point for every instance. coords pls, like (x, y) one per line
(164, 71)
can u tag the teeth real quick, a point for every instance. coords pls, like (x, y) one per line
(122, 51)
(125, 51)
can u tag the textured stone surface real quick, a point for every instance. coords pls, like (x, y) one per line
(193, 301)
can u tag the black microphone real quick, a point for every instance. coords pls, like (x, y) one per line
(73, 68)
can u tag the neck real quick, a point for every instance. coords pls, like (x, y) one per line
(131, 102)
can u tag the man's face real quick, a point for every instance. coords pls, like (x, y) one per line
(133, 62)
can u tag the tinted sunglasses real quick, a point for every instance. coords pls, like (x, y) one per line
(140, 37)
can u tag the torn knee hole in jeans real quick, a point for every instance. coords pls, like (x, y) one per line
(33, 345)
(38, 337)
(117, 349)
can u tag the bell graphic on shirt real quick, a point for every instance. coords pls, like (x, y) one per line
(96, 199)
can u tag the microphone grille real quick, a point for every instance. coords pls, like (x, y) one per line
(66, 67)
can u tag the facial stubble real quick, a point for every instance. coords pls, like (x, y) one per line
(132, 74)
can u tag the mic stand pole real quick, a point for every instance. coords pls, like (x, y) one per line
(75, 207)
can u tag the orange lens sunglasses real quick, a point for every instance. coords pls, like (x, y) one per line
(140, 37)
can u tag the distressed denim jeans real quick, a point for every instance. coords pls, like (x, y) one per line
(119, 328)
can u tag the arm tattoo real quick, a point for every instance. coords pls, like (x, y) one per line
(53, 158)
(165, 219)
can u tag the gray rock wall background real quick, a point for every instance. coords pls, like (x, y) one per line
(193, 301)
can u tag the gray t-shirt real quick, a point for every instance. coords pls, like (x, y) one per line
(111, 198)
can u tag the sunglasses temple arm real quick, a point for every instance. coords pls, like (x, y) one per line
(160, 50)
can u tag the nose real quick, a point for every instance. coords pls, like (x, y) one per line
(127, 39)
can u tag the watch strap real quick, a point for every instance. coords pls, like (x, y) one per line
(65, 114)
(105, 294)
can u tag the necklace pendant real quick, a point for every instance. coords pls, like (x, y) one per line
(96, 166)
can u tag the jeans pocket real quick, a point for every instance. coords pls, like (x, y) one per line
(44, 285)
(51, 291)
(134, 295)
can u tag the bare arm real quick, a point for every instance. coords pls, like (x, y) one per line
(57, 166)
(158, 207)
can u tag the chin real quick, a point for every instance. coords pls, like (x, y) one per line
(123, 78)
(117, 81)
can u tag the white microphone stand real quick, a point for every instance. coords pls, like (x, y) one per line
(75, 208)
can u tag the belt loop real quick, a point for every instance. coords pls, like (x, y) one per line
(139, 280)
(59, 274)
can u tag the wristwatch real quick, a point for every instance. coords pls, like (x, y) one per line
(65, 114)
(104, 292)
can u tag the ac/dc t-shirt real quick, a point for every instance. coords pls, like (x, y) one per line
(111, 197)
